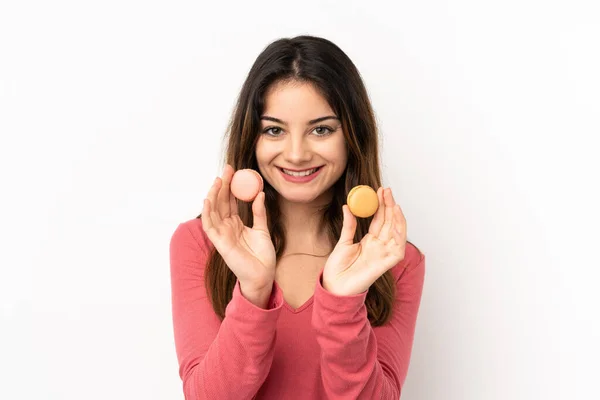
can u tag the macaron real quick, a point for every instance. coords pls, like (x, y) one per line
(362, 201)
(246, 184)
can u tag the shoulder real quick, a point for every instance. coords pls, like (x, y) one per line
(191, 233)
(413, 259)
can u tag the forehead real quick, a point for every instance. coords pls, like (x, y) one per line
(295, 101)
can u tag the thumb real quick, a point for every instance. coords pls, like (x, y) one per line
(259, 213)
(348, 227)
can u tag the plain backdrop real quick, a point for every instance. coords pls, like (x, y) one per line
(112, 115)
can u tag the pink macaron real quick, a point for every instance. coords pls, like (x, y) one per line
(246, 184)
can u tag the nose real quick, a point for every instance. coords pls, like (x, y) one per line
(297, 149)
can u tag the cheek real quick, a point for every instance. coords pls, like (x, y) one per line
(268, 150)
(336, 153)
(344, 159)
(261, 152)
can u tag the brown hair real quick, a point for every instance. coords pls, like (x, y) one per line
(314, 60)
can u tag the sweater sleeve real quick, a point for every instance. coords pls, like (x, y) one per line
(357, 360)
(217, 360)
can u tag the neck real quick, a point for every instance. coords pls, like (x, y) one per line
(303, 228)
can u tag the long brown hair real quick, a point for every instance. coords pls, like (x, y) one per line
(317, 61)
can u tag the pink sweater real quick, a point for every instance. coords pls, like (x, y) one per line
(326, 349)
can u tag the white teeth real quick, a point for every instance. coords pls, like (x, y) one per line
(302, 173)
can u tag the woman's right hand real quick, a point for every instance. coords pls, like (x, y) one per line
(248, 252)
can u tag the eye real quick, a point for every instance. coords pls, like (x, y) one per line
(323, 130)
(272, 131)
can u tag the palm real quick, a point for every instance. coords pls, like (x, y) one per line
(248, 252)
(353, 267)
(242, 244)
(354, 264)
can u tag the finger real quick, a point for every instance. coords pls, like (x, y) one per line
(398, 239)
(259, 213)
(207, 224)
(377, 221)
(392, 197)
(211, 197)
(399, 218)
(214, 217)
(348, 226)
(395, 250)
(389, 205)
(223, 201)
(214, 191)
(233, 204)
(392, 259)
(388, 225)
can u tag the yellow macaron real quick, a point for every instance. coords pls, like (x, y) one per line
(362, 201)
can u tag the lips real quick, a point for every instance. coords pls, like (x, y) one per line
(300, 176)
(300, 173)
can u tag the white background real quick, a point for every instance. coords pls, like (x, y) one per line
(111, 119)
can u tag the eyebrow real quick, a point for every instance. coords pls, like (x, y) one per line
(313, 121)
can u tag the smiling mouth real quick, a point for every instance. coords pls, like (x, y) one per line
(305, 172)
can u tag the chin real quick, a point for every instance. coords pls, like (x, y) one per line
(304, 198)
(301, 196)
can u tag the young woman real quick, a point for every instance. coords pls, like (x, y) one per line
(291, 296)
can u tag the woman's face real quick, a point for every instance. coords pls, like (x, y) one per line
(301, 150)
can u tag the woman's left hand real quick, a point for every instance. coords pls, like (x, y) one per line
(353, 267)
